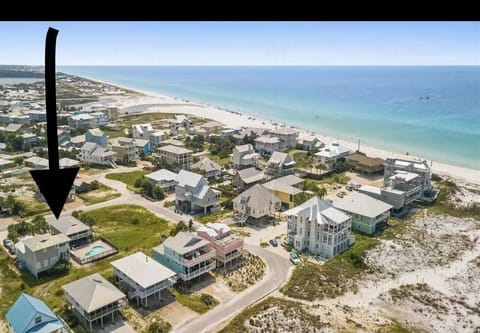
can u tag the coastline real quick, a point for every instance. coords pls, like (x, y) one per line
(235, 119)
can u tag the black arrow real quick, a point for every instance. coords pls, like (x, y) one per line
(54, 183)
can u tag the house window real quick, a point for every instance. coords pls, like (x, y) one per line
(38, 319)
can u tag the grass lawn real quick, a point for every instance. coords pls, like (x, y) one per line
(194, 302)
(220, 161)
(103, 193)
(311, 281)
(131, 228)
(33, 207)
(217, 216)
(128, 178)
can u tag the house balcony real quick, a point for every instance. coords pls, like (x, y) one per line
(224, 247)
(191, 260)
(197, 272)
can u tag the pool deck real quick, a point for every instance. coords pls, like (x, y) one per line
(81, 252)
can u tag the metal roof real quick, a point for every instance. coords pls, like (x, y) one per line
(362, 204)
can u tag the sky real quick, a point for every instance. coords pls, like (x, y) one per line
(244, 43)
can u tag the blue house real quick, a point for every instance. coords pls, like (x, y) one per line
(29, 314)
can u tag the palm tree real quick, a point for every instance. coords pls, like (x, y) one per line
(322, 167)
(321, 192)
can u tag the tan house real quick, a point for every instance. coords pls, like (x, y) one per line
(176, 155)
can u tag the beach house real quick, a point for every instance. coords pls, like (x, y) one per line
(163, 178)
(92, 153)
(31, 315)
(178, 122)
(318, 227)
(244, 156)
(286, 188)
(369, 215)
(279, 165)
(266, 145)
(142, 277)
(308, 141)
(331, 154)
(364, 164)
(228, 247)
(192, 193)
(81, 120)
(94, 300)
(187, 254)
(95, 135)
(76, 230)
(209, 168)
(245, 178)
(142, 131)
(255, 203)
(124, 149)
(287, 136)
(41, 252)
(178, 156)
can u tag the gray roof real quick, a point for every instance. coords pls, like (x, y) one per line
(250, 175)
(95, 132)
(362, 204)
(142, 269)
(268, 139)
(184, 242)
(244, 148)
(172, 142)
(278, 185)
(283, 131)
(207, 165)
(67, 224)
(162, 174)
(78, 139)
(13, 127)
(88, 146)
(280, 158)
(257, 197)
(44, 241)
(189, 178)
(174, 149)
(290, 180)
(93, 292)
(38, 161)
(316, 210)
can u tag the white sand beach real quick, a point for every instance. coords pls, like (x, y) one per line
(155, 102)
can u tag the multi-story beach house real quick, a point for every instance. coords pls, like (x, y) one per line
(318, 227)
(331, 154)
(245, 178)
(308, 141)
(173, 142)
(177, 122)
(192, 193)
(369, 215)
(76, 230)
(95, 135)
(29, 315)
(228, 247)
(124, 149)
(142, 131)
(82, 120)
(286, 188)
(179, 156)
(279, 165)
(421, 168)
(287, 136)
(94, 301)
(244, 156)
(208, 167)
(186, 254)
(266, 145)
(94, 154)
(255, 203)
(41, 252)
(163, 178)
(364, 164)
(142, 277)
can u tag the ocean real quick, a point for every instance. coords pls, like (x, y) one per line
(427, 111)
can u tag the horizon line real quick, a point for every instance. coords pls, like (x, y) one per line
(259, 65)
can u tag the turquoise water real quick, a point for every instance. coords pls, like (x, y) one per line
(95, 250)
(431, 111)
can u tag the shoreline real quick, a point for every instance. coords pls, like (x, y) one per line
(236, 119)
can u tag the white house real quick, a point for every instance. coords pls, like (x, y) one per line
(331, 154)
(208, 166)
(318, 227)
(244, 156)
(256, 202)
(163, 178)
(266, 145)
(280, 164)
(93, 153)
(192, 193)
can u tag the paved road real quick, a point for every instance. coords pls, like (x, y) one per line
(277, 272)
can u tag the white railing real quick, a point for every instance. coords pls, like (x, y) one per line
(198, 272)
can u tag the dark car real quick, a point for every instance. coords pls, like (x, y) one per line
(273, 242)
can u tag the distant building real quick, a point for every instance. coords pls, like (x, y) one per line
(41, 252)
(81, 186)
(142, 131)
(287, 136)
(369, 215)
(422, 169)
(280, 164)
(244, 156)
(94, 154)
(256, 202)
(192, 193)
(82, 120)
(245, 178)
(266, 145)
(30, 315)
(227, 132)
(124, 148)
(187, 254)
(94, 300)
(178, 122)
(172, 142)
(37, 116)
(228, 247)
(331, 154)
(364, 164)
(176, 155)
(318, 227)
(309, 142)
(163, 178)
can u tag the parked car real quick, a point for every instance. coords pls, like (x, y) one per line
(340, 195)
(294, 258)
(273, 242)
(348, 187)
(7, 243)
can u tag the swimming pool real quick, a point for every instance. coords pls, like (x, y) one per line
(95, 250)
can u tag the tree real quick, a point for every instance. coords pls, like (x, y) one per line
(181, 226)
(27, 146)
(148, 188)
(18, 160)
(190, 225)
(158, 193)
(321, 192)
(95, 185)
